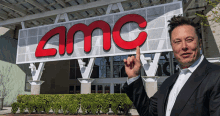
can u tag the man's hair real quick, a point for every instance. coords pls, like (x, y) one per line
(179, 20)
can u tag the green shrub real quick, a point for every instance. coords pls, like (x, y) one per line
(90, 103)
(94, 107)
(39, 107)
(85, 105)
(115, 107)
(47, 108)
(105, 107)
(30, 107)
(127, 105)
(73, 108)
(15, 106)
(56, 107)
(64, 107)
(22, 107)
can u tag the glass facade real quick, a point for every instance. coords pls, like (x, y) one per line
(74, 69)
(102, 70)
(118, 66)
(104, 67)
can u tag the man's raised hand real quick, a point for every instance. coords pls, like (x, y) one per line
(133, 65)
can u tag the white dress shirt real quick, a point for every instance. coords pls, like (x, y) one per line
(181, 80)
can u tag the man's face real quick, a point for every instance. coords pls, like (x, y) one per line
(185, 44)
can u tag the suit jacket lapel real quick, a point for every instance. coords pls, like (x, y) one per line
(164, 93)
(190, 86)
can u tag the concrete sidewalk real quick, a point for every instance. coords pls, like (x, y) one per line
(7, 110)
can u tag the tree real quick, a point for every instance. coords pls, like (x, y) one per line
(5, 72)
(214, 16)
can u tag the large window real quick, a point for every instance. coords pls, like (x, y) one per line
(71, 90)
(78, 89)
(100, 89)
(74, 69)
(104, 88)
(104, 67)
(118, 66)
(163, 65)
(107, 88)
(93, 88)
(118, 88)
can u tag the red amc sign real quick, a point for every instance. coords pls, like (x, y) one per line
(87, 30)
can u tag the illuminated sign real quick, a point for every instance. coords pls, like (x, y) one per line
(101, 36)
(40, 52)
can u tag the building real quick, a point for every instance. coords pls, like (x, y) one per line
(95, 75)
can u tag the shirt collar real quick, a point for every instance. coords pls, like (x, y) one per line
(193, 67)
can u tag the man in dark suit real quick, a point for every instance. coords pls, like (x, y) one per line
(194, 91)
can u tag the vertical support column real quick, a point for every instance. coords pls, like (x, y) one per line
(111, 66)
(85, 85)
(36, 75)
(150, 81)
(35, 86)
(150, 85)
(103, 88)
(112, 88)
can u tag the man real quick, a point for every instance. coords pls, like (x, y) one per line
(194, 91)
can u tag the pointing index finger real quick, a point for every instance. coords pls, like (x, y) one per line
(138, 53)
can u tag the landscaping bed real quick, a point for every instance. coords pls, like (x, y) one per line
(66, 104)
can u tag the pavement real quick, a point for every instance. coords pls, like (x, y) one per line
(7, 110)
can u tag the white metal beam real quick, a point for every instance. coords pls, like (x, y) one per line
(37, 73)
(22, 25)
(61, 16)
(109, 8)
(40, 71)
(57, 19)
(14, 8)
(151, 67)
(114, 7)
(90, 5)
(65, 16)
(36, 4)
(121, 9)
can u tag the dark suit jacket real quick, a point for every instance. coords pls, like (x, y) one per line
(200, 96)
